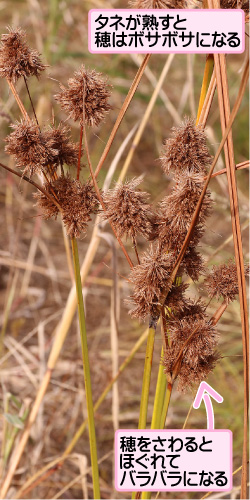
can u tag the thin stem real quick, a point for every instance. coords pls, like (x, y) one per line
(18, 100)
(122, 112)
(145, 386)
(166, 405)
(86, 368)
(27, 179)
(240, 166)
(31, 102)
(146, 379)
(135, 249)
(99, 196)
(84, 424)
(159, 395)
(79, 154)
(208, 71)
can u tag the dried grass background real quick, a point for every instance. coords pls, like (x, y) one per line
(34, 277)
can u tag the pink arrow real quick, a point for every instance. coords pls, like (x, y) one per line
(204, 392)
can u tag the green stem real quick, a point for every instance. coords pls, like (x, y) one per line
(166, 405)
(146, 379)
(158, 405)
(106, 391)
(86, 368)
(146, 383)
(159, 396)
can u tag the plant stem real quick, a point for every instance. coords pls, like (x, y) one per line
(31, 102)
(146, 383)
(99, 196)
(159, 396)
(166, 405)
(208, 71)
(146, 379)
(158, 404)
(79, 154)
(86, 368)
(161, 404)
(122, 112)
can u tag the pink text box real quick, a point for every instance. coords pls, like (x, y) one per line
(136, 465)
(207, 27)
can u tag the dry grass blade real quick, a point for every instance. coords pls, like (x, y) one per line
(27, 179)
(122, 112)
(147, 114)
(240, 166)
(162, 94)
(208, 102)
(99, 196)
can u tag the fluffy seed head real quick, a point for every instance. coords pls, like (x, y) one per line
(128, 210)
(176, 301)
(29, 147)
(223, 281)
(179, 206)
(78, 201)
(17, 58)
(186, 151)
(193, 263)
(86, 87)
(150, 279)
(195, 338)
(58, 139)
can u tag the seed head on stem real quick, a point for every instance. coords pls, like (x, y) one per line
(17, 59)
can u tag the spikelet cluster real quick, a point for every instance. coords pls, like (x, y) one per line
(29, 147)
(186, 151)
(187, 155)
(150, 279)
(34, 150)
(193, 353)
(87, 93)
(223, 281)
(17, 59)
(127, 208)
(77, 201)
(58, 138)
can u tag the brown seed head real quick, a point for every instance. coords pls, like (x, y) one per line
(179, 206)
(29, 147)
(186, 151)
(17, 58)
(128, 210)
(150, 279)
(176, 300)
(58, 139)
(195, 339)
(89, 87)
(193, 263)
(223, 281)
(78, 201)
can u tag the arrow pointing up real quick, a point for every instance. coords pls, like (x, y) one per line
(204, 392)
